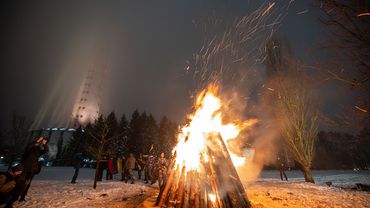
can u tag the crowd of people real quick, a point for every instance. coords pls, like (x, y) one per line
(149, 168)
(16, 181)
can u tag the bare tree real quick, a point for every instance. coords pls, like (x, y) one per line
(295, 105)
(17, 136)
(349, 23)
(349, 45)
(298, 112)
(101, 134)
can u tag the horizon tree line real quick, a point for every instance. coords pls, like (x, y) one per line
(333, 149)
(142, 134)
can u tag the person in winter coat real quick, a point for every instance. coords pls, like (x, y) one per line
(282, 168)
(129, 168)
(102, 167)
(78, 160)
(9, 183)
(119, 165)
(110, 169)
(162, 168)
(122, 167)
(30, 162)
(147, 167)
(140, 165)
(151, 170)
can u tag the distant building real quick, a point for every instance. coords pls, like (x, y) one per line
(87, 107)
(58, 138)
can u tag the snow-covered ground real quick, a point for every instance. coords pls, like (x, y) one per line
(52, 188)
(269, 191)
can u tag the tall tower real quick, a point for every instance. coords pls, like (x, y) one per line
(87, 107)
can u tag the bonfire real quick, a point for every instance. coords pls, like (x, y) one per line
(202, 172)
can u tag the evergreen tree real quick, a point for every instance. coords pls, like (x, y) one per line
(167, 139)
(150, 133)
(93, 142)
(119, 145)
(172, 138)
(74, 145)
(134, 134)
(113, 130)
(113, 123)
(162, 135)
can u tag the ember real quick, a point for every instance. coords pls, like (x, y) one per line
(202, 172)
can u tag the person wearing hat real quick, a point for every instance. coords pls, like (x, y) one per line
(9, 182)
(30, 162)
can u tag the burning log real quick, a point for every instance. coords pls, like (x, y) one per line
(216, 184)
(202, 172)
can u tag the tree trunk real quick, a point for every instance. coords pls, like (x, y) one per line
(96, 173)
(307, 174)
(100, 154)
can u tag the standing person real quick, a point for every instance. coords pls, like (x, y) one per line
(9, 183)
(129, 168)
(30, 162)
(119, 166)
(102, 167)
(140, 165)
(162, 168)
(123, 162)
(153, 170)
(110, 169)
(147, 168)
(77, 164)
(282, 169)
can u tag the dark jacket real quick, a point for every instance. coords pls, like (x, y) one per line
(78, 161)
(31, 155)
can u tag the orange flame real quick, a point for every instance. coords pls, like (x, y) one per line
(206, 120)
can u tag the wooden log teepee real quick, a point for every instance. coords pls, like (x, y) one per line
(215, 184)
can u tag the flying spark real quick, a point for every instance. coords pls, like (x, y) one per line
(361, 109)
(363, 14)
(302, 12)
(268, 9)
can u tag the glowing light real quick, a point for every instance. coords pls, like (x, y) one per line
(206, 121)
(363, 14)
(212, 197)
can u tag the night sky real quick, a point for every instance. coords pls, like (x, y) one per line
(46, 46)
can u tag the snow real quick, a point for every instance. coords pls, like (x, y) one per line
(276, 194)
(52, 188)
(108, 194)
(339, 178)
(269, 191)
